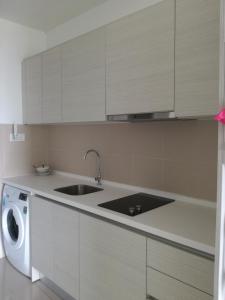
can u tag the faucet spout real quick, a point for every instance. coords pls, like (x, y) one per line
(98, 178)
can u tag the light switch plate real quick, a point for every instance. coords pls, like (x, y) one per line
(20, 137)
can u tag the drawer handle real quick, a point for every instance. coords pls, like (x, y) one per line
(151, 298)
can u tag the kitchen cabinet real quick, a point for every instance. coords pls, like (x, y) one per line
(41, 235)
(83, 78)
(52, 86)
(160, 59)
(197, 57)
(42, 99)
(174, 273)
(140, 61)
(162, 287)
(55, 243)
(112, 262)
(66, 83)
(91, 258)
(32, 90)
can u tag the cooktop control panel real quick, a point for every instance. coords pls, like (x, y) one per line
(136, 204)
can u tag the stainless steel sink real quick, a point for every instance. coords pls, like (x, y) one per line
(78, 190)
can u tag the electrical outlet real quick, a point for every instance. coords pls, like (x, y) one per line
(20, 137)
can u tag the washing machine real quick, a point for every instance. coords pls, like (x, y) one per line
(16, 228)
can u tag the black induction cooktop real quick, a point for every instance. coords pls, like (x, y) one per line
(136, 204)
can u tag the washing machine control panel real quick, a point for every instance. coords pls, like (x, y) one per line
(23, 197)
(11, 194)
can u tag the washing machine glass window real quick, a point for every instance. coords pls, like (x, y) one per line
(13, 226)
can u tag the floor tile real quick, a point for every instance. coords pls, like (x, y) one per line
(15, 286)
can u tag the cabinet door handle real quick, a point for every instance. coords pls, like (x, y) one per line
(149, 297)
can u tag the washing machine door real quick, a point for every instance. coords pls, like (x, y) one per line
(13, 226)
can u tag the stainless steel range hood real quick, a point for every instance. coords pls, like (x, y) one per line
(146, 117)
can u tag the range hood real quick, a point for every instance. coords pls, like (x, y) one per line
(145, 117)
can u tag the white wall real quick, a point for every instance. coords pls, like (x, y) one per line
(95, 18)
(17, 159)
(16, 43)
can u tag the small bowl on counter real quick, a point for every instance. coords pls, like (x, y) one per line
(42, 170)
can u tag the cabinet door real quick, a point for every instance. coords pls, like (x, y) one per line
(83, 62)
(66, 249)
(52, 104)
(55, 243)
(41, 236)
(197, 57)
(140, 61)
(112, 262)
(32, 90)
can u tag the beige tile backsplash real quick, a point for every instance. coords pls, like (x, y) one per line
(17, 158)
(176, 156)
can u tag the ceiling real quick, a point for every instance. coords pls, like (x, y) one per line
(44, 15)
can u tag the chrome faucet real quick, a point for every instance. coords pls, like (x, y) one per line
(98, 178)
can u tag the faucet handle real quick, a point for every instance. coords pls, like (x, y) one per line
(99, 180)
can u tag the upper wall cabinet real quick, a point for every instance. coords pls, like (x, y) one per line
(42, 101)
(140, 61)
(83, 78)
(197, 57)
(52, 86)
(32, 90)
(163, 58)
(67, 83)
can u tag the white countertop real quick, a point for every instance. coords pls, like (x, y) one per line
(186, 223)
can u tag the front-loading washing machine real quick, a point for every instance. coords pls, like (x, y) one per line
(16, 228)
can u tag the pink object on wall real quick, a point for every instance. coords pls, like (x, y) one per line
(220, 117)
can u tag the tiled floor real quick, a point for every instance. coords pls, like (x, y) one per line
(15, 286)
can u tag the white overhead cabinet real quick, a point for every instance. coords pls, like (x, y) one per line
(160, 59)
(83, 78)
(67, 83)
(140, 61)
(32, 90)
(42, 89)
(52, 86)
(112, 262)
(197, 57)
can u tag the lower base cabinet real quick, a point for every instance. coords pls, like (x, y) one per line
(55, 243)
(112, 262)
(92, 259)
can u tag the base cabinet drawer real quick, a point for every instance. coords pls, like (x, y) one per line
(163, 287)
(192, 269)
